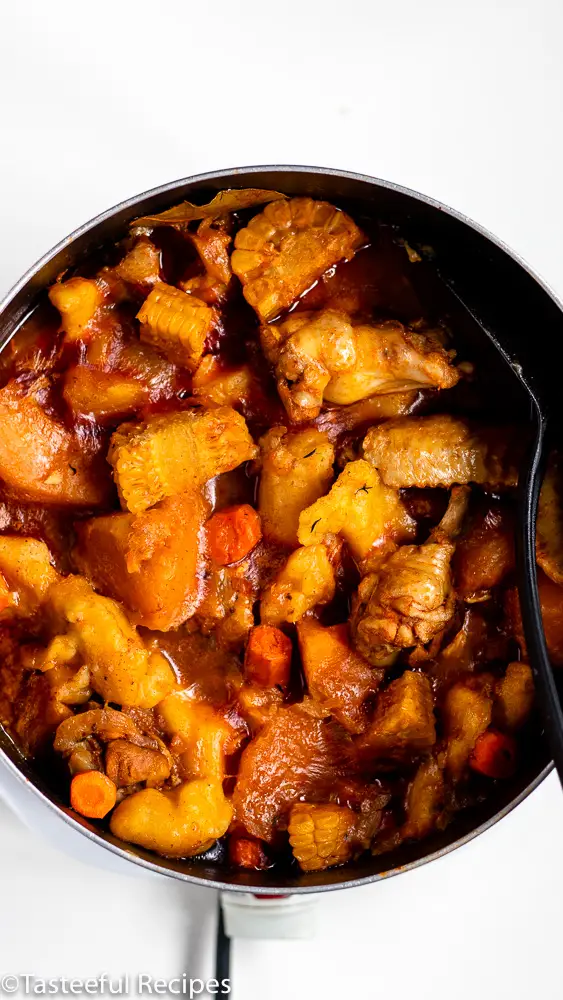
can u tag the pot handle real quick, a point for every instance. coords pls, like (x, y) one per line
(283, 917)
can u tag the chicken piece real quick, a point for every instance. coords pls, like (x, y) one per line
(172, 452)
(321, 836)
(323, 356)
(514, 697)
(410, 598)
(26, 574)
(176, 324)
(40, 459)
(212, 243)
(286, 247)
(103, 724)
(78, 301)
(102, 396)
(484, 555)
(205, 737)
(337, 677)
(551, 602)
(176, 824)
(360, 509)
(258, 704)
(35, 714)
(95, 631)
(215, 385)
(296, 471)
(127, 764)
(403, 725)
(141, 265)
(442, 450)
(549, 525)
(307, 579)
(152, 562)
(294, 756)
(424, 804)
(466, 714)
(342, 419)
(226, 610)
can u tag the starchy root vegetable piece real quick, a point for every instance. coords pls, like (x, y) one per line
(230, 200)
(127, 764)
(549, 525)
(360, 509)
(484, 555)
(40, 459)
(232, 533)
(78, 301)
(176, 324)
(215, 385)
(294, 756)
(176, 824)
(410, 598)
(141, 265)
(286, 247)
(95, 631)
(339, 419)
(203, 733)
(267, 660)
(425, 801)
(325, 357)
(152, 562)
(297, 469)
(403, 725)
(307, 579)
(514, 697)
(26, 573)
(92, 794)
(321, 836)
(245, 852)
(172, 452)
(551, 602)
(442, 450)
(100, 395)
(466, 713)
(337, 677)
(494, 755)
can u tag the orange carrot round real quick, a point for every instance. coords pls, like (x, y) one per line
(92, 794)
(494, 755)
(232, 533)
(268, 656)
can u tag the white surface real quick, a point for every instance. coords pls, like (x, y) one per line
(460, 99)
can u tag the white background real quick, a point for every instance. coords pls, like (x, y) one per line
(462, 100)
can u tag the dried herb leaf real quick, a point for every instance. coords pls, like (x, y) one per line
(231, 200)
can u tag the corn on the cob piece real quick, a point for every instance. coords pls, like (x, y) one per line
(321, 835)
(176, 324)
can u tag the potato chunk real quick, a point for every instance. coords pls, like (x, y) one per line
(403, 725)
(95, 631)
(360, 509)
(78, 301)
(467, 713)
(172, 452)
(484, 555)
(206, 737)
(441, 451)
(176, 324)
(514, 696)
(215, 385)
(141, 265)
(176, 824)
(152, 562)
(296, 470)
(425, 800)
(27, 572)
(105, 396)
(286, 247)
(307, 579)
(321, 836)
(338, 678)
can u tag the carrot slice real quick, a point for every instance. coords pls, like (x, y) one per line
(268, 656)
(494, 755)
(232, 533)
(247, 853)
(92, 794)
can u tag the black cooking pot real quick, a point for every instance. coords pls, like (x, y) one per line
(504, 296)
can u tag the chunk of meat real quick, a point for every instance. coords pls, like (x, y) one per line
(176, 824)
(286, 247)
(410, 598)
(297, 468)
(176, 324)
(141, 266)
(306, 579)
(127, 764)
(466, 714)
(152, 562)
(442, 451)
(514, 697)
(321, 836)
(338, 420)
(40, 459)
(425, 801)
(103, 724)
(258, 704)
(549, 526)
(212, 242)
(226, 610)
(26, 574)
(247, 853)
(403, 725)
(173, 452)
(78, 301)
(484, 555)
(325, 357)
(337, 677)
(360, 509)
(103, 396)
(267, 660)
(294, 756)
(551, 602)
(203, 736)
(95, 631)
(34, 713)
